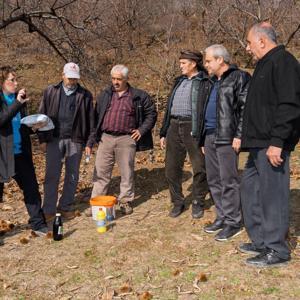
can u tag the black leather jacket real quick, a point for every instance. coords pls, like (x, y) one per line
(231, 98)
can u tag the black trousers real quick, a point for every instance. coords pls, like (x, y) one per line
(265, 201)
(26, 180)
(179, 142)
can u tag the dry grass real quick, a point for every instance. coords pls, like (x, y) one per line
(144, 256)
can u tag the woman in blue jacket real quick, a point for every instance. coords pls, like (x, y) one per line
(15, 148)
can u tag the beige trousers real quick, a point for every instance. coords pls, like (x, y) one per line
(111, 149)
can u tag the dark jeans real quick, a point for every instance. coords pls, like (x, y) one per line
(265, 201)
(26, 180)
(223, 180)
(179, 142)
(59, 151)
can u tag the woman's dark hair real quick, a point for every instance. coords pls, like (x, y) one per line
(4, 72)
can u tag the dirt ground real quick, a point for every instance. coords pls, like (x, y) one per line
(146, 255)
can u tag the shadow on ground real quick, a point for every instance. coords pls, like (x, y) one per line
(295, 210)
(148, 182)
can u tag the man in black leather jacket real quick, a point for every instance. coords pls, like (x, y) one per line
(223, 116)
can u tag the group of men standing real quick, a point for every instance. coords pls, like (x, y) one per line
(214, 111)
(223, 110)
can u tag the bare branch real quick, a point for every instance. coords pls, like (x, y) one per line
(232, 34)
(292, 35)
(64, 5)
(34, 28)
(257, 18)
(53, 5)
(15, 9)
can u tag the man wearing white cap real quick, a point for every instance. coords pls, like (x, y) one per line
(70, 107)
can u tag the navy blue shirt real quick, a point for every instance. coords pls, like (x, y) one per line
(211, 109)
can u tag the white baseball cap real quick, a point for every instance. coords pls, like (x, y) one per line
(71, 70)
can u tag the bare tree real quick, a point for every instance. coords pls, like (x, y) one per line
(48, 20)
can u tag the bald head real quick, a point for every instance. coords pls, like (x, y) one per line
(261, 39)
(265, 29)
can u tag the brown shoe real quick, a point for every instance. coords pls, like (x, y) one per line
(68, 215)
(126, 208)
(49, 217)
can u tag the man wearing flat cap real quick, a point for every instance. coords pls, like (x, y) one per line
(180, 133)
(70, 107)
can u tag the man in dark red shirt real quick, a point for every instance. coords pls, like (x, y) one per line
(125, 117)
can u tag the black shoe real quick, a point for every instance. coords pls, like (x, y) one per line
(227, 233)
(249, 248)
(176, 211)
(267, 259)
(197, 210)
(214, 227)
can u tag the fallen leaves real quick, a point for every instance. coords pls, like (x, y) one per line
(6, 286)
(177, 272)
(24, 272)
(198, 265)
(295, 173)
(109, 277)
(5, 226)
(7, 207)
(77, 213)
(201, 277)
(125, 288)
(177, 261)
(145, 296)
(49, 235)
(181, 292)
(197, 237)
(108, 294)
(24, 240)
(72, 267)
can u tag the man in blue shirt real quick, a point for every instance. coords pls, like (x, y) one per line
(222, 131)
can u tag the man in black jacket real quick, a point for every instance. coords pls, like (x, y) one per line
(270, 132)
(222, 131)
(181, 135)
(70, 107)
(124, 118)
